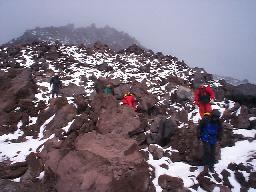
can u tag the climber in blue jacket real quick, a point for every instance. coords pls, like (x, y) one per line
(210, 132)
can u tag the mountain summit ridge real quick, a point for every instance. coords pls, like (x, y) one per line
(70, 35)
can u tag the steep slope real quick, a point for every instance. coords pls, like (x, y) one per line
(75, 36)
(80, 141)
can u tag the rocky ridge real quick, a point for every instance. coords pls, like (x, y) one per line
(70, 35)
(80, 141)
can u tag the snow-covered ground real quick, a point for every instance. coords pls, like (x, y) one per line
(85, 65)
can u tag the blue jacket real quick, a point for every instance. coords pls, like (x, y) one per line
(210, 130)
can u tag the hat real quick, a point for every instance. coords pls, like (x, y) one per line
(207, 113)
(128, 93)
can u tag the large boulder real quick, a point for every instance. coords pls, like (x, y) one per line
(161, 130)
(99, 163)
(17, 87)
(169, 183)
(184, 94)
(242, 119)
(105, 159)
(244, 94)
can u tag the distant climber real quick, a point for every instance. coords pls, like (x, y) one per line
(130, 100)
(209, 132)
(56, 84)
(203, 97)
(109, 89)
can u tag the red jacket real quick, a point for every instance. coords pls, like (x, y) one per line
(208, 89)
(130, 101)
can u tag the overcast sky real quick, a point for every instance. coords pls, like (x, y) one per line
(218, 35)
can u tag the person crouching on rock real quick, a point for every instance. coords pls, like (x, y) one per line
(56, 84)
(203, 97)
(109, 89)
(130, 100)
(209, 132)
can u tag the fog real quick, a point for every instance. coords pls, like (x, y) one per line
(219, 36)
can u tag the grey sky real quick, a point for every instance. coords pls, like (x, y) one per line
(219, 35)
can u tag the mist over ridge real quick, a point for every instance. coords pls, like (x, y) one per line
(218, 36)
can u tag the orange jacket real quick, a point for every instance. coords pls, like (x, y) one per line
(129, 100)
(208, 89)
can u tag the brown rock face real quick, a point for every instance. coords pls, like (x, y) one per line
(169, 183)
(17, 88)
(99, 163)
(13, 171)
(102, 160)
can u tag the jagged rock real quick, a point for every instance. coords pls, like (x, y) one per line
(182, 116)
(169, 183)
(72, 90)
(164, 166)
(82, 103)
(121, 90)
(99, 163)
(82, 124)
(146, 103)
(190, 150)
(241, 179)
(227, 138)
(70, 35)
(242, 120)
(161, 131)
(95, 152)
(200, 77)
(63, 114)
(205, 182)
(219, 93)
(252, 124)
(224, 189)
(134, 49)
(9, 186)
(245, 94)
(184, 93)
(119, 120)
(145, 100)
(105, 67)
(225, 174)
(18, 87)
(157, 152)
(35, 167)
(252, 180)
(13, 171)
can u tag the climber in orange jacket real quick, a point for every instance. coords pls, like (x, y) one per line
(130, 100)
(203, 97)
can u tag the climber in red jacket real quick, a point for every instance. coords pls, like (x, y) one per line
(130, 100)
(203, 97)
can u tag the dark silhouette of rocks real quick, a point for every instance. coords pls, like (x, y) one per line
(70, 35)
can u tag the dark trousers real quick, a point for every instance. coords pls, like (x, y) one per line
(209, 154)
(55, 91)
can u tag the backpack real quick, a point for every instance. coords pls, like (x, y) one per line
(210, 132)
(204, 96)
(108, 90)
